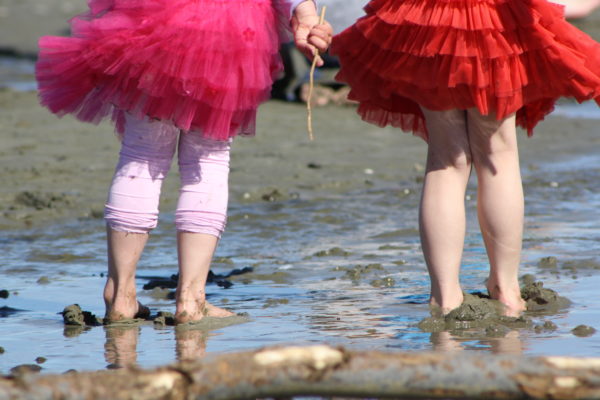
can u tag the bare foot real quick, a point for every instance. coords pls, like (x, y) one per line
(514, 305)
(139, 311)
(444, 307)
(217, 312)
(194, 311)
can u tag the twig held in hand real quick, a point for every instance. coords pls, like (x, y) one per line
(312, 82)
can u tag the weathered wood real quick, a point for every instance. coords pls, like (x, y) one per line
(327, 371)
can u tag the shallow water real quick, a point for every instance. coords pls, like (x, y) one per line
(306, 286)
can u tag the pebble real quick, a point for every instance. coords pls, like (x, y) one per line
(583, 331)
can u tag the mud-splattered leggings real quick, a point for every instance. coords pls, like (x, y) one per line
(146, 154)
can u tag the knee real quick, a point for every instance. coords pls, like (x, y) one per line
(459, 161)
(131, 221)
(195, 221)
(491, 138)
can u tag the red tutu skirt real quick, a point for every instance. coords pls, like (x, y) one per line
(204, 65)
(500, 56)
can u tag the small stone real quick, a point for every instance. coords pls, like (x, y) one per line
(43, 280)
(528, 279)
(583, 331)
(548, 262)
(383, 282)
(73, 315)
(549, 326)
(40, 360)
(4, 294)
(2, 350)
(334, 251)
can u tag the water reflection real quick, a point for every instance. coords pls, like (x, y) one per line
(121, 345)
(509, 343)
(120, 348)
(190, 343)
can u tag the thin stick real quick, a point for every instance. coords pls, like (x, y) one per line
(311, 84)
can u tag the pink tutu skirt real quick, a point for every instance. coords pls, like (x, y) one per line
(203, 65)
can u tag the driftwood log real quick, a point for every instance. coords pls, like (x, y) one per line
(326, 371)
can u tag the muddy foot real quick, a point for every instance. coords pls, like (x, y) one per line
(209, 310)
(113, 316)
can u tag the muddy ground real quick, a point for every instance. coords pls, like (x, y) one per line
(55, 169)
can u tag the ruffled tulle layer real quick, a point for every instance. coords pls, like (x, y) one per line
(204, 65)
(500, 56)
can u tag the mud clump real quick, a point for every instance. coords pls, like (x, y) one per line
(40, 360)
(583, 331)
(385, 282)
(477, 311)
(275, 302)
(164, 318)
(585, 265)
(333, 252)
(538, 298)
(571, 266)
(360, 273)
(74, 316)
(548, 263)
(2, 351)
(547, 326)
(41, 201)
(4, 294)
(221, 280)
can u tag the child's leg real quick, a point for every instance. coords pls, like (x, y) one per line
(132, 208)
(442, 211)
(200, 219)
(500, 204)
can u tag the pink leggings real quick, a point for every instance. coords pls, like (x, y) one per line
(146, 154)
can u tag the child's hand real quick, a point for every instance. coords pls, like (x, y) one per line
(309, 35)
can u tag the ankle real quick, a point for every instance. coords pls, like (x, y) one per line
(190, 295)
(447, 301)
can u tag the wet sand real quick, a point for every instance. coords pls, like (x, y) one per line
(55, 169)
